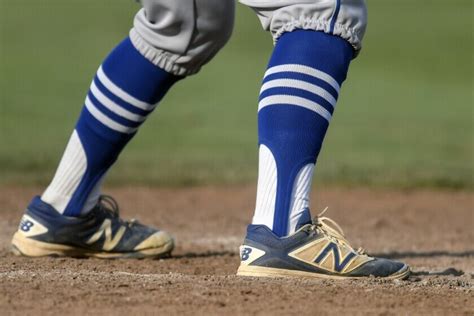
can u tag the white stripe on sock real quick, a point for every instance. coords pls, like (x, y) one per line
(71, 169)
(112, 106)
(266, 188)
(300, 196)
(119, 92)
(307, 71)
(93, 197)
(299, 84)
(294, 100)
(106, 120)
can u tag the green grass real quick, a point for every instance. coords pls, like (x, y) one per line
(405, 116)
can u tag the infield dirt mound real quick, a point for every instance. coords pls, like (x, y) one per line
(430, 230)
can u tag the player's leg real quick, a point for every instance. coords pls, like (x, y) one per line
(169, 41)
(315, 43)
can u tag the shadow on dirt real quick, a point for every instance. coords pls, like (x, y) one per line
(208, 254)
(447, 272)
(427, 254)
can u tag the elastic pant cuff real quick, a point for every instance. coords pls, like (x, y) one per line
(322, 26)
(160, 58)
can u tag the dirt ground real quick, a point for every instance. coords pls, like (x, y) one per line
(430, 230)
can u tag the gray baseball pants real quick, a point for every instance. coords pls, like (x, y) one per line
(180, 36)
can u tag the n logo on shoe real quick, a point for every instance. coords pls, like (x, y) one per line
(110, 241)
(330, 256)
(337, 264)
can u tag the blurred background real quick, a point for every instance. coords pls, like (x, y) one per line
(404, 120)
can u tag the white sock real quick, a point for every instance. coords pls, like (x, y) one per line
(266, 192)
(68, 176)
(299, 207)
(266, 188)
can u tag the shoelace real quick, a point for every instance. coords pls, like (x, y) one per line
(109, 204)
(330, 228)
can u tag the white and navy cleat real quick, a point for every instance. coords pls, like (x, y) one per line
(316, 250)
(101, 234)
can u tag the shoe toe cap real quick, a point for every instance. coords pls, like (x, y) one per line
(156, 240)
(381, 268)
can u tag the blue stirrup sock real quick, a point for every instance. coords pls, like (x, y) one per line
(123, 93)
(297, 100)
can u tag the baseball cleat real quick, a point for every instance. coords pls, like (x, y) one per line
(318, 249)
(101, 234)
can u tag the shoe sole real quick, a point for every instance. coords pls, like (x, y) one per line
(23, 246)
(255, 271)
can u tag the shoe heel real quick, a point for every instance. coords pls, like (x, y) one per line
(24, 246)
